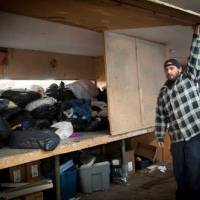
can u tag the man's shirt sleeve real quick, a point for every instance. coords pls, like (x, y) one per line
(194, 58)
(161, 119)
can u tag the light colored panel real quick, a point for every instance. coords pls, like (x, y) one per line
(100, 71)
(122, 83)
(22, 32)
(178, 44)
(30, 65)
(151, 77)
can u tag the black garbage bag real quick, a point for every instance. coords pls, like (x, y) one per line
(61, 94)
(102, 95)
(21, 98)
(98, 124)
(34, 139)
(3, 105)
(45, 112)
(67, 95)
(42, 123)
(78, 124)
(78, 112)
(4, 131)
(22, 120)
(11, 114)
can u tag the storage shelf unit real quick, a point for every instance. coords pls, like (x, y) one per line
(103, 16)
(12, 157)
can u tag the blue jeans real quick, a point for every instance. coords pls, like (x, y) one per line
(186, 165)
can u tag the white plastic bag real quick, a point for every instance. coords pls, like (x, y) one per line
(64, 129)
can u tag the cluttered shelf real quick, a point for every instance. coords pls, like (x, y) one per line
(11, 157)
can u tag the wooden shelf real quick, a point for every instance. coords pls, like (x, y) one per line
(101, 15)
(12, 157)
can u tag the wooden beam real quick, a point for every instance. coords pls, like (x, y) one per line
(165, 10)
(100, 15)
(26, 189)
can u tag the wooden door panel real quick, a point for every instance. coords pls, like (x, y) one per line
(150, 58)
(122, 83)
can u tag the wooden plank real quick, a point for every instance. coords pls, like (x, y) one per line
(38, 65)
(103, 15)
(122, 83)
(27, 189)
(12, 185)
(100, 71)
(150, 57)
(167, 149)
(12, 157)
(165, 11)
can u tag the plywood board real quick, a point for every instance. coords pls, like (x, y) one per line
(27, 189)
(38, 65)
(167, 149)
(122, 83)
(150, 58)
(102, 15)
(100, 71)
(12, 157)
(100, 68)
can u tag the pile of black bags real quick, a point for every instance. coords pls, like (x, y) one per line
(26, 117)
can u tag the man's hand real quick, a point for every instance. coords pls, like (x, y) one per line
(197, 29)
(161, 144)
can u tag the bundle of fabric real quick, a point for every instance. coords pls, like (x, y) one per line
(42, 123)
(78, 112)
(34, 139)
(99, 108)
(83, 89)
(99, 120)
(40, 102)
(60, 93)
(38, 89)
(9, 110)
(11, 114)
(20, 97)
(44, 108)
(4, 131)
(97, 124)
(102, 95)
(45, 112)
(6, 104)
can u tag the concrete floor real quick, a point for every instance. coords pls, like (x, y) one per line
(141, 186)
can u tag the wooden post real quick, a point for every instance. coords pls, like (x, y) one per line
(57, 177)
(124, 162)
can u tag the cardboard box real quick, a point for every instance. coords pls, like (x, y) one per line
(34, 196)
(17, 174)
(147, 151)
(25, 173)
(130, 158)
(33, 171)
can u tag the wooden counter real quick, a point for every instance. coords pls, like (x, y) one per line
(12, 157)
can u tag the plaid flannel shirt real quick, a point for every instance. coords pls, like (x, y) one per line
(178, 108)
